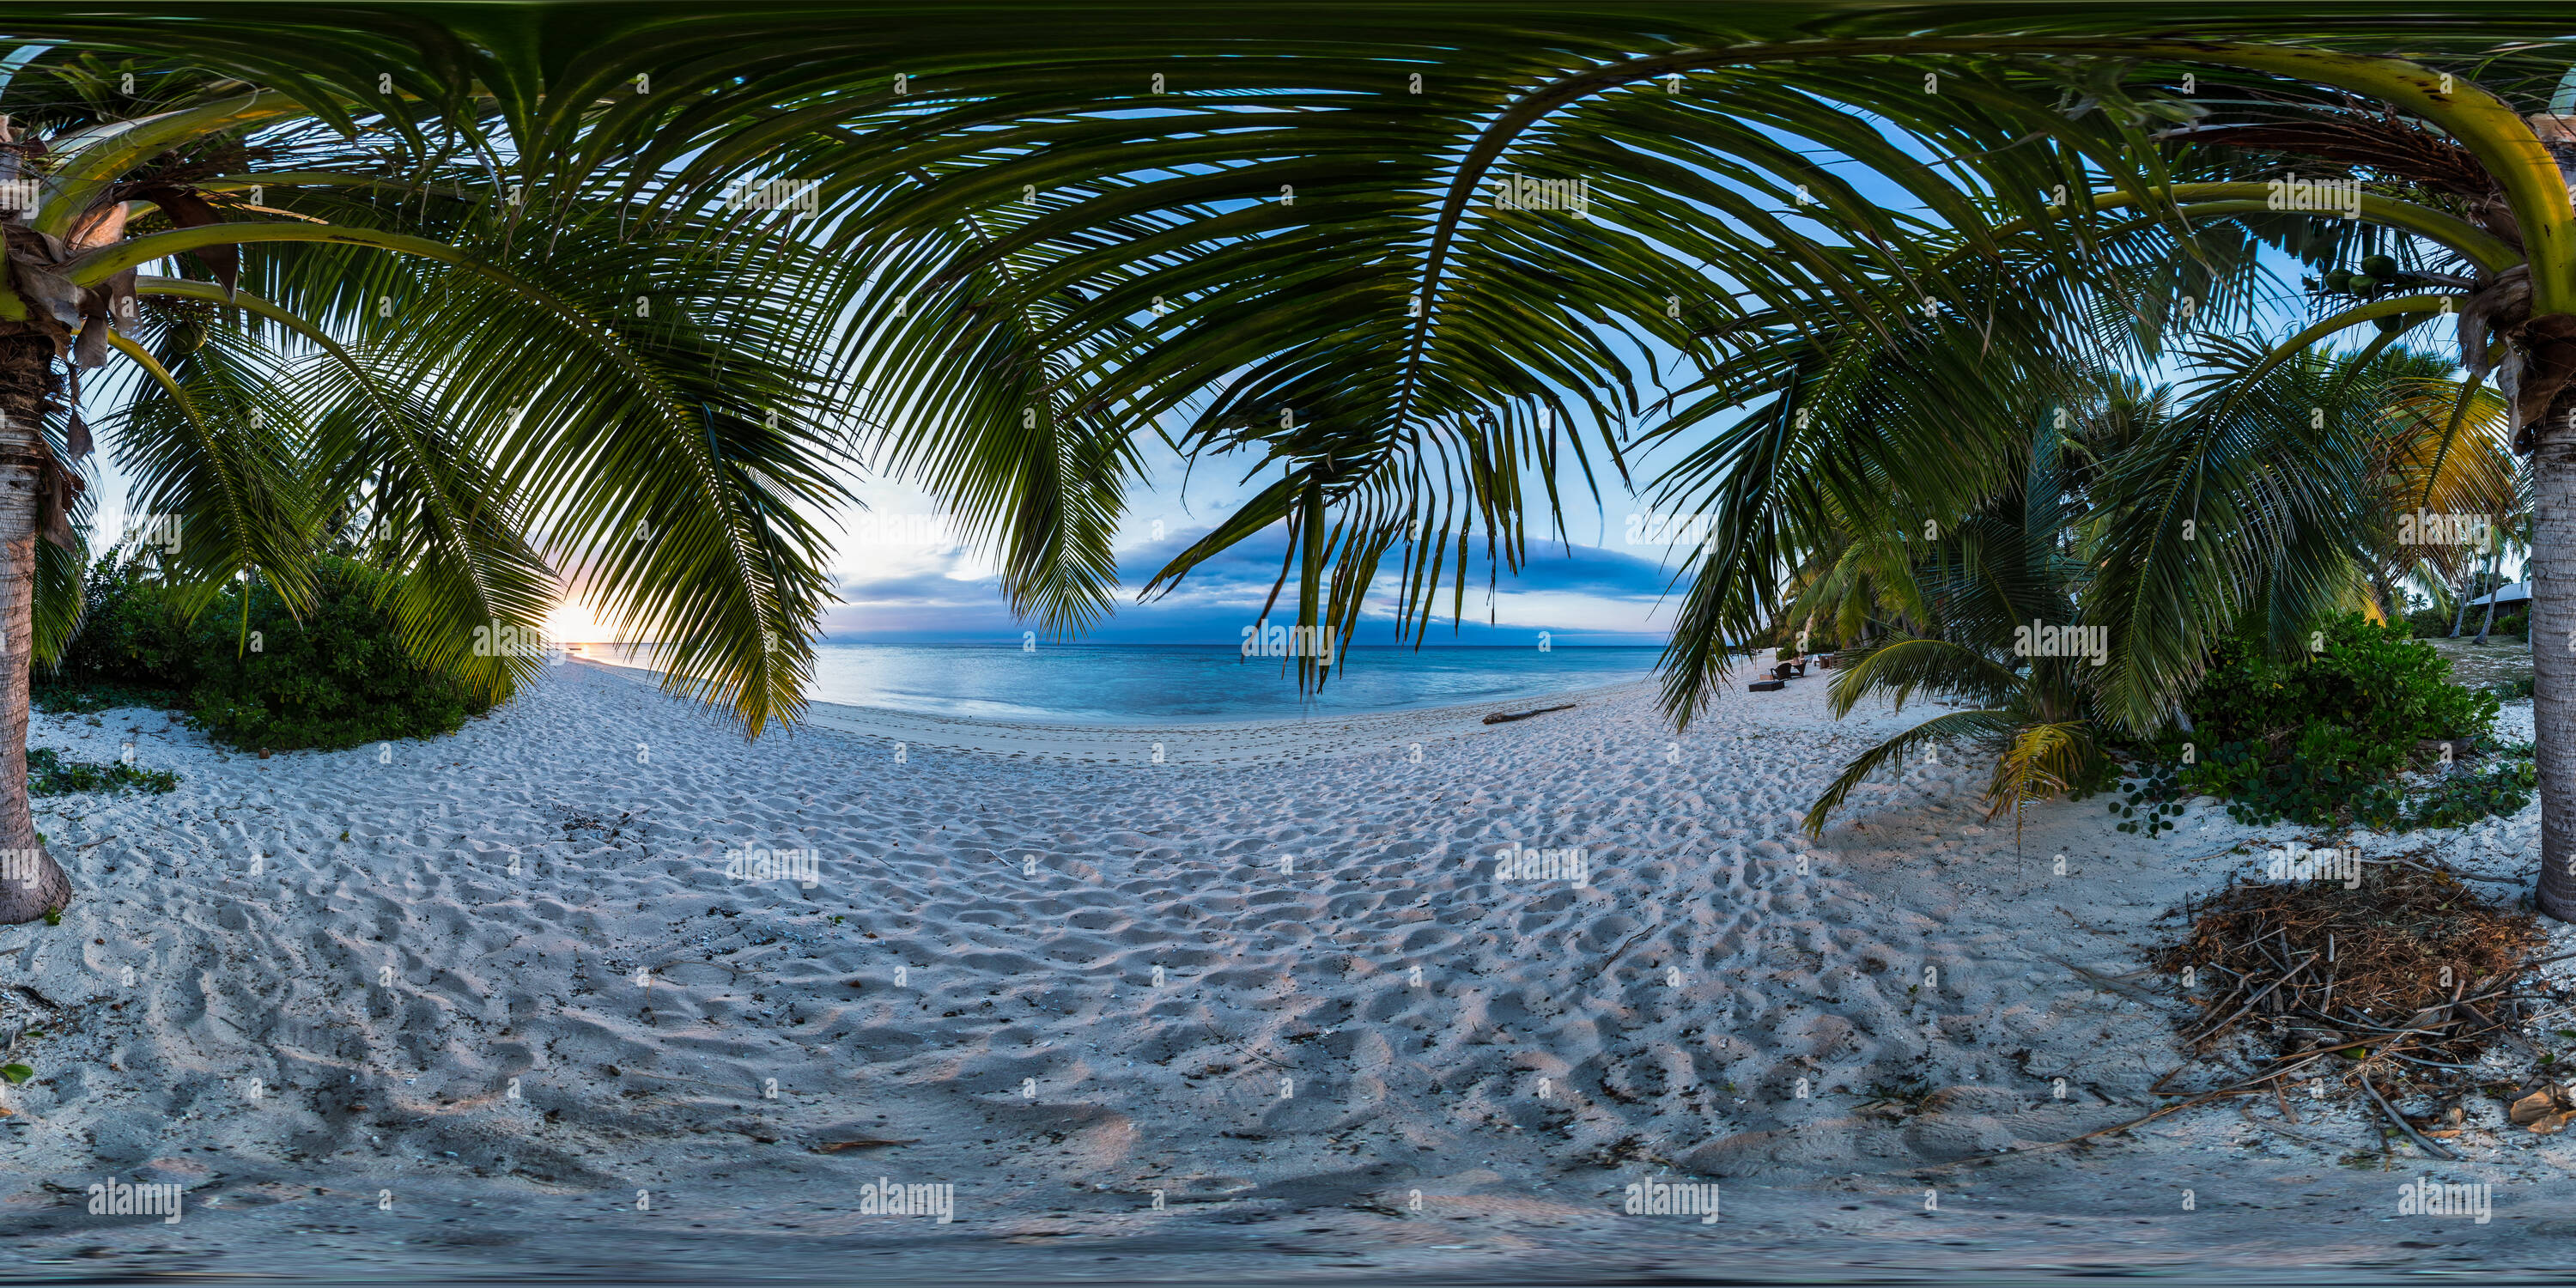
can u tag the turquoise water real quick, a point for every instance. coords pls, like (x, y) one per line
(1148, 684)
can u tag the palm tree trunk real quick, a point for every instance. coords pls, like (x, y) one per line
(2553, 620)
(2495, 560)
(2550, 567)
(2552, 570)
(2460, 600)
(31, 883)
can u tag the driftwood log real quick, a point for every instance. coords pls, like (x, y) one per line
(1501, 717)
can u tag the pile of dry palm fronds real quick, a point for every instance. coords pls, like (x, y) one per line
(2392, 989)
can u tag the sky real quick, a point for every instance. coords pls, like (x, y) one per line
(899, 587)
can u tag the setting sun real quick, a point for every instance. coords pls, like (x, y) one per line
(571, 623)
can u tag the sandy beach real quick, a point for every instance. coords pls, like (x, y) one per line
(1264, 1009)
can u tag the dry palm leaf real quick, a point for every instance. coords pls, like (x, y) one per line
(2546, 1111)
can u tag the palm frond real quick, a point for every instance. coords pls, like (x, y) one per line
(1979, 726)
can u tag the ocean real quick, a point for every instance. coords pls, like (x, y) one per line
(1164, 684)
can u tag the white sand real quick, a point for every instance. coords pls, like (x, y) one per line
(1289, 1086)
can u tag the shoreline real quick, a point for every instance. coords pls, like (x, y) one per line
(1206, 743)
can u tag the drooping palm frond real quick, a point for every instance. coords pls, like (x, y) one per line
(494, 401)
(670, 449)
(434, 508)
(1895, 670)
(1279, 234)
(2450, 473)
(2250, 510)
(204, 439)
(1984, 727)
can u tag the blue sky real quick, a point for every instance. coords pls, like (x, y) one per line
(1592, 589)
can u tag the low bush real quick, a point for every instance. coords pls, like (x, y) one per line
(131, 650)
(336, 678)
(48, 774)
(80, 697)
(2465, 795)
(2324, 739)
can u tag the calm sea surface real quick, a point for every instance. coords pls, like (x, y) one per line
(1123, 684)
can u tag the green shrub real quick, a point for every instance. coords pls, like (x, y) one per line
(84, 698)
(2160, 793)
(2322, 740)
(48, 774)
(2428, 623)
(336, 678)
(132, 648)
(2466, 795)
(2519, 686)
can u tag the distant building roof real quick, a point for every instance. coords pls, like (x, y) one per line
(2512, 592)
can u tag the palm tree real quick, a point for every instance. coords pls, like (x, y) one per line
(2000, 628)
(2284, 500)
(500, 378)
(2513, 535)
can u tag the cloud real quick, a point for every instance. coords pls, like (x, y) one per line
(1579, 594)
